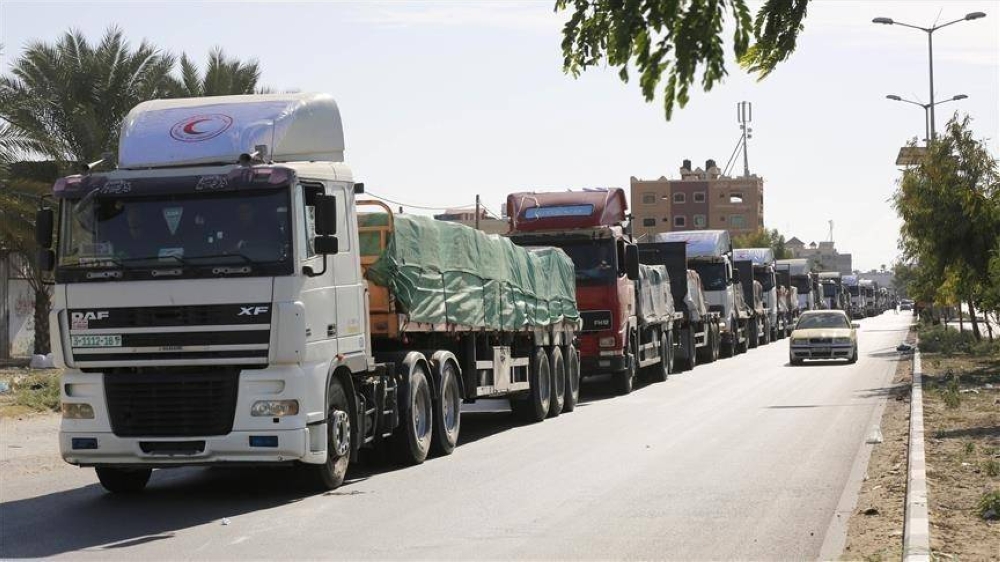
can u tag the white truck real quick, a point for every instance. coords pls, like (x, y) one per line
(710, 254)
(775, 298)
(210, 304)
(803, 280)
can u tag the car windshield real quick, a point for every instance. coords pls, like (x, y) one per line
(713, 275)
(811, 321)
(197, 229)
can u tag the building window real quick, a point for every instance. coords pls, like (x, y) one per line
(648, 222)
(699, 221)
(648, 198)
(737, 221)
(736, 197)
(679, 198)
(699, 196)
(680, 221)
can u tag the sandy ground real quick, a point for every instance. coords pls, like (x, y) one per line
(960, 443)
(875, 530)
(29, 445)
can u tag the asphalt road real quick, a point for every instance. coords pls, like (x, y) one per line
(747, 458)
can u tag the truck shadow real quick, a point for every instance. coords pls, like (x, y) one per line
(89, 519)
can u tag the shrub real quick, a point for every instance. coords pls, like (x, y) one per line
(38, 391)
(991, 468)
(989, 505)
(944, 340)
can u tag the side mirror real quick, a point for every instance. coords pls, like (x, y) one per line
(46, 259)
(44, 220)
(326, 215)
(632, 261)
(326, 245)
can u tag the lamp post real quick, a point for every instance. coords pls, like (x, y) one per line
(930, 52)
(928, 107)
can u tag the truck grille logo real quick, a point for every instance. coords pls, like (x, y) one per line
(88, 316)
(253, 310)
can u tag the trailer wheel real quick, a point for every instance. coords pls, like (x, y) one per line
(330, 474)
(557, 374)
(572, 361)
(412, 440)
(447, 411)
(661, 372)
(123, 480)
(535, 406)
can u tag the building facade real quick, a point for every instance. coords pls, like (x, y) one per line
(700, 199)
(822, 257)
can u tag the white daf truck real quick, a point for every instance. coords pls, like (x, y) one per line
(211, 303)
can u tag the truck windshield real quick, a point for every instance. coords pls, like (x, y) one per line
(713, 275)
(764, 277)
(243, 228)
(853, 291)
(829, 290)
(802, 284)
(594, 261)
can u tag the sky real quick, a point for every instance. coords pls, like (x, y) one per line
(445, 100)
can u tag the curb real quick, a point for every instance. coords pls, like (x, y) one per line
(916, 524)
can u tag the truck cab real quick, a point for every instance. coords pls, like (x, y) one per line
(765, 272)
(834, 295)
(803, 280)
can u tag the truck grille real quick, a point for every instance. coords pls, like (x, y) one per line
(171, 403)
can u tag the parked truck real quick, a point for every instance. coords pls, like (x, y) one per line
(855, 295)
(765, 272)
(834, 295)
(753, 291)
(710, 254)
(867, 289)
(593, 228)
(697, 329)
(788, 298)
(803, 280)
(210, 307)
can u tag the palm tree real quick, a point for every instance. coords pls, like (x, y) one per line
(69, 98)
(223, 76)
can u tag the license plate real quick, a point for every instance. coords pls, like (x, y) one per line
(96, 341)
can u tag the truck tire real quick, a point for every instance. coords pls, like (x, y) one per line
(535, 406)
(728, 347)
(447, 411)
(710, 353)
(753, 335)
(659, 373)
(123, 480)
(742, 347)
(412, 439)
(557, 374)
(692, 349)
(572, 360)
(765, 336)
(624, 381)
(330, 474)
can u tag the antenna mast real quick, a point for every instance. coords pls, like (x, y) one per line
(744, 114)
(831, 230)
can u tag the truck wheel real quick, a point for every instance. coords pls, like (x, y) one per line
(412, 440)
(123, 480)
(659, 373)
(535, 407)
(330, 474)
(572, 361)
(711, 349)
(692, 350)
(447, 411)
(742, 347)
(753, 337)
(727, 347)
(765, 336)
(557, 374)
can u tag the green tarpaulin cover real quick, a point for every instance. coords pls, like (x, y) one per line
(447, 273)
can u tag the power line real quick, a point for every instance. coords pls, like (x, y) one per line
(422, 207)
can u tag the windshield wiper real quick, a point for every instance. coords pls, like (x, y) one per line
(243, 257)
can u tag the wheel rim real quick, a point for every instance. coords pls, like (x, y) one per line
(544, 392)
(421, 414)
(340, 431)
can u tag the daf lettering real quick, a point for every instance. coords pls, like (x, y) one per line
(91, 315)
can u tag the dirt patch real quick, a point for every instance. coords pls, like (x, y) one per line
(962, 428)
(875, 529)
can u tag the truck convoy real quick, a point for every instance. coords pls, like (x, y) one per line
(697, 329)
(803, 280)
(856, 298)
(788, 296)
(834, 295)
(592, 227)
(775, 301)
(710, 254)
(211, 307)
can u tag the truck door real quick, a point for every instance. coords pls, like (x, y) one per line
(351, 318)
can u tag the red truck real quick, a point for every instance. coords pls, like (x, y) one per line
(592, 227)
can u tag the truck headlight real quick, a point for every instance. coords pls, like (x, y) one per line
(274, 408)
(606, 342)
(77, 411)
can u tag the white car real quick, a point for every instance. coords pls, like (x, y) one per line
(823, 334)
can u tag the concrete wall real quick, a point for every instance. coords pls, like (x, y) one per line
(17, 309)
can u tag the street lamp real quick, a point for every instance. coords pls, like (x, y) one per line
(930, 51)
(928, 107)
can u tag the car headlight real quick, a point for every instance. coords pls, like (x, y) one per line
(606, 342)
(841, 340)
(800, 341)
(274, 408)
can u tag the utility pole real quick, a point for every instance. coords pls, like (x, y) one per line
(477, 211)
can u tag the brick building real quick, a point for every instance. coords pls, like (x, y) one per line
(700, 199)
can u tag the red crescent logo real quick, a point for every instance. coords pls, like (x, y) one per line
(201, 127)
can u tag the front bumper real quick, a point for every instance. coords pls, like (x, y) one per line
(827, 351)
(590, 366)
